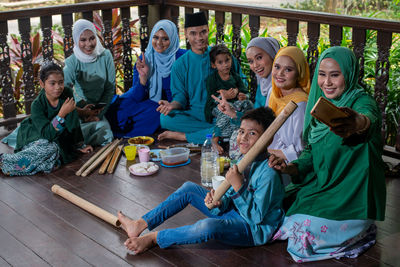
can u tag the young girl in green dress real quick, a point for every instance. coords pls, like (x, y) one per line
(52, 134)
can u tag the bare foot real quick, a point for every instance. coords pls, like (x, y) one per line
(132, 227)
(172, 135)
(141, 244)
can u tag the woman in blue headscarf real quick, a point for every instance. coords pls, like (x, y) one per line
(134, 112)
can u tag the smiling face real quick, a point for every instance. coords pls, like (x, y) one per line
(87, 42)
(331, 79)
(198, 38)
(53, 85)
(259, 60)
(249, 132)
(160, 41)
(284, 73)
(223, 63)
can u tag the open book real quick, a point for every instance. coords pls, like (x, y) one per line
(325, 112)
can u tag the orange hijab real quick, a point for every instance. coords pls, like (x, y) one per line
(277, 101)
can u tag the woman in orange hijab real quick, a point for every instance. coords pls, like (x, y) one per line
(290, 82)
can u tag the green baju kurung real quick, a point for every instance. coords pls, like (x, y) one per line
(39, 126)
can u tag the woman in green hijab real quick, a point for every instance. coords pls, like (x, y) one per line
(338, 182)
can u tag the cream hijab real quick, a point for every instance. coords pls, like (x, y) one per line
(80, 26)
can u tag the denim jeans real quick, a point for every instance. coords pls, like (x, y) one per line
(229, 227)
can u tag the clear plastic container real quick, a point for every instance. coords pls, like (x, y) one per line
(209, 167)
(175, 155)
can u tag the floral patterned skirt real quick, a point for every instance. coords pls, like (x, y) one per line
(312, 238)
(38, 156)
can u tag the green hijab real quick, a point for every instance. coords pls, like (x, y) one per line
(313, 129)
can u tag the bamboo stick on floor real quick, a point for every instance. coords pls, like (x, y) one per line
(115, 159)
(101, 158)
(106, 162)
(92, 159)
(86, 205)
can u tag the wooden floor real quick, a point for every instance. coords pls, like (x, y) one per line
(38, 228)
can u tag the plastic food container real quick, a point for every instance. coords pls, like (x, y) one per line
(175, 155)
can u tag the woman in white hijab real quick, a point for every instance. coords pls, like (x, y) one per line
(134, 112)
(90, 72)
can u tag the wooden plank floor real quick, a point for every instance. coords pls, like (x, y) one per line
(38, 228)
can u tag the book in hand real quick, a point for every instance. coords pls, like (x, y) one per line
(325, 112)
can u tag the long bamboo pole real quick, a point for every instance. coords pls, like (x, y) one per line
(106, 162)
(101, 158)
(258, 147)
(86, 205)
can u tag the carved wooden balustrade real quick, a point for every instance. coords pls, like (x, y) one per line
(170, 9)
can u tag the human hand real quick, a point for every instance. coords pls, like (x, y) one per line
(67, 107)
(242, 96)
(279, 164)
(165, 107)
(87, 149)
(355, 123)
(143, 69)
(234, 177)
(228, 94)
(208, 200)
(224, 106)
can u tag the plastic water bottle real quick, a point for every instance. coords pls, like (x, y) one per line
(209, 166)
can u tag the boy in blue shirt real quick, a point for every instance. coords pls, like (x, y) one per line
(247, 215)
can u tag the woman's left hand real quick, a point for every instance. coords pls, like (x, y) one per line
(234, 177)
(354, 123)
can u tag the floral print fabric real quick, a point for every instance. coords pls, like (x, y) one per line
(311, 238)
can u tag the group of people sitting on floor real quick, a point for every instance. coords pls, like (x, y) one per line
(335, 175)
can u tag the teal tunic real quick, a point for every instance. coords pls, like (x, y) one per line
(93, 83)
(188, 88)
(343, 179)
(258, 201)
(39, 126)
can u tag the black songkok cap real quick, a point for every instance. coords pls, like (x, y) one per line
(195, 19)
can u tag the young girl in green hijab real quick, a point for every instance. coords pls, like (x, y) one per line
(338, 181)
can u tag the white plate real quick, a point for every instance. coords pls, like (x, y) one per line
(134, 166)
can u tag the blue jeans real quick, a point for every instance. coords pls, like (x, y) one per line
(229, 228)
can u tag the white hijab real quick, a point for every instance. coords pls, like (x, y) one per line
(80, 26)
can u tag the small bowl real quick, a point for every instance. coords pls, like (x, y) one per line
(174, 156)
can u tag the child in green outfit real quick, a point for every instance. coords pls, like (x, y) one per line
(51, 134)
(224, 82)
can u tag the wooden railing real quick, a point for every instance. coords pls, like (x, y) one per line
(170, 9)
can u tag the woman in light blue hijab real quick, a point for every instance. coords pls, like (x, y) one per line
(134, 112)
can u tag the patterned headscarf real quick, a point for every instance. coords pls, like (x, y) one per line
(313, 129)
(277, 101)
(80, 26)
(161, 64)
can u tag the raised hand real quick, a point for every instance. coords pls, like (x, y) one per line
(234, 177)
(143, 69)
(224, 106)
(67, 107)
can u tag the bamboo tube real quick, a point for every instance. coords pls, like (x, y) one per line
(101, 158)
(258, 147)
(86, 205)
(92, 159)
(106, 162)
(115, 159)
